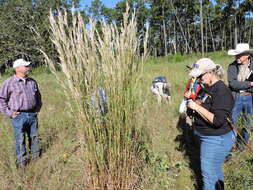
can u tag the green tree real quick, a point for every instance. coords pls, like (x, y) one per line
(24, 29)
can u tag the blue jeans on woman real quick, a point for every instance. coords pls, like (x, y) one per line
(26, 123)
(243, 107)
(213, 151)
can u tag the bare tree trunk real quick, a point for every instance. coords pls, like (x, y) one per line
(188, 34)
(206, 38)
(175, 37)
(164, 34)
(245, 30)
(196, 44)
(210, 28)
(250, 34)
(168, 39)
(222, 38)
(225, 38)
(236, 37)
(195, 40)
(181, 28)
(231, 34)
(201, 29)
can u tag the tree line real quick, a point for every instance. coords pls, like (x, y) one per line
(175, 26)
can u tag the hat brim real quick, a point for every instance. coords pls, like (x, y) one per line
(196, 72)
(234, 52)
(26, 63)
(189, 66)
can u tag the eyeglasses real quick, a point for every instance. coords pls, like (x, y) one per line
(200, 76)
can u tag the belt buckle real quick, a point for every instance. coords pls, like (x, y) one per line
(245, 93)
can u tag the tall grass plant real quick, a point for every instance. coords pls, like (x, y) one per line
(112, 145)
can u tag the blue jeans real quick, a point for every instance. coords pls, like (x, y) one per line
(213, 151)
(26, 123)
(243, 107)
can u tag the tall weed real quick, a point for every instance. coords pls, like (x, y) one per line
(112, 144)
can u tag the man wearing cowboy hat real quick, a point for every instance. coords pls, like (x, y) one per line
(20, 100)
(242, 88)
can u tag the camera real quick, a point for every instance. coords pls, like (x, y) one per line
(189, 100)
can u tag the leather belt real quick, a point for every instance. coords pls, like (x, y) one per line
(27, 111)
(245, 93)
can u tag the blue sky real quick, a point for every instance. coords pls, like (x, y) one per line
(112, 3)
(107, 3)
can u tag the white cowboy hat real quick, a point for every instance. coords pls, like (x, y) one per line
(242, 48)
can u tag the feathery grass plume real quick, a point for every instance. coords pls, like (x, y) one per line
(112, 144)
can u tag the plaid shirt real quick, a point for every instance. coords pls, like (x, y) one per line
(18, 94)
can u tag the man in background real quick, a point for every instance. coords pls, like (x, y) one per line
(20, 100)
(242, 88)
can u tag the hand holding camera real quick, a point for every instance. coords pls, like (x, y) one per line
(191, 104)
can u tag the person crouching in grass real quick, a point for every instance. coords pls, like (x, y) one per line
(161, 88)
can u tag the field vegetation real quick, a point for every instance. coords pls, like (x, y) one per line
(137, 144)
(167, 164)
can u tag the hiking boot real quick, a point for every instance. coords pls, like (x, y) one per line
(21, 165)
(36, 155)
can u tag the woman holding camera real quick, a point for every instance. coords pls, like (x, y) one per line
(211, 123)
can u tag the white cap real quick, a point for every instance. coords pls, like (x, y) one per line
(242, 48)
(20, 62)
(202, 66)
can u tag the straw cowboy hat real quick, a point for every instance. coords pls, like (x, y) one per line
(242, 48)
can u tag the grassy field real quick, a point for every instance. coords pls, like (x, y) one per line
(169, 165)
